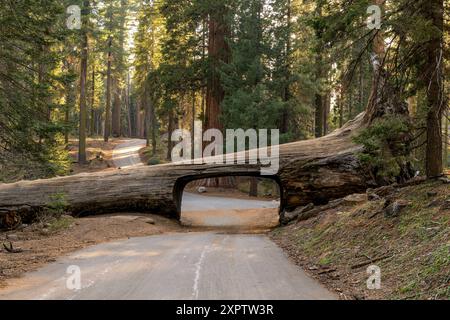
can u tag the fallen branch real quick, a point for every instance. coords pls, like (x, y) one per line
(11, 249)
(366, 263)
(328, 271)
(316, 211)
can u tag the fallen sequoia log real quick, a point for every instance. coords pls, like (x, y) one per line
(310, 171)
(313, 171)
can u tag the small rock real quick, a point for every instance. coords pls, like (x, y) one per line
(22, 226)
(446, 205)
(431, 194)
(150, 221)
(383, 191)
(45, 232)
(201, 190)
(394, 209)
(292, 215)
(335, 276)
(358, 296)
(373, 197)
(356, 198)
(12, 237)
(289, 216)
(434, 203)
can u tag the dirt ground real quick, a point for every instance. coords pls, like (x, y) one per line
(412, 248)
(98, 152)
(242, 221)
(42, 243)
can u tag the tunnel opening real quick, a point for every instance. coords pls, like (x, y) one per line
(244, 202)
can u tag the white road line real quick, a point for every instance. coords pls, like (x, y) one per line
(198, 269)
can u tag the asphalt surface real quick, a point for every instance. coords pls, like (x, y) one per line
(126, 154)
(204, 266)
(196, 202)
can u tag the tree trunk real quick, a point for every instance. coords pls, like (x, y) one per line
(319, 106)
(445, 140)
(218, 52)
(326, 112)
(284, 126)
(170, 129)
(253, 187)
(107, 130)
(128, 105)
(70, 104)
(319, 77)
(116, 110)
(83, 76)
(341, 105)
(433, 10)
(92, 125)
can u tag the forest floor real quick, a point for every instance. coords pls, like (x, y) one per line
(98, 152)
(411, 247)
(41, 243)
(149, 158)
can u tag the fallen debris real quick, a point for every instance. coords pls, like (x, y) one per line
(393, 209)
(370, 261)
(11, 249)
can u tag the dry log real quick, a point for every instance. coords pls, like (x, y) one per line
(313, 171)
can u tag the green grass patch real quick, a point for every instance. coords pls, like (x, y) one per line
(62, 223)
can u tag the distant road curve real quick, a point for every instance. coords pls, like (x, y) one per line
(126, 154)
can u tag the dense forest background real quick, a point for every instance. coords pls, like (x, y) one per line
(144, 68)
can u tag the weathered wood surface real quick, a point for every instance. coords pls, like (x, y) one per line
(315, 171)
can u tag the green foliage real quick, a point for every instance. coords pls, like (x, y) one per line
(252, 88)
(61, 223)
(386, 147)
(58, 205)
(31, 33)
(153, 162)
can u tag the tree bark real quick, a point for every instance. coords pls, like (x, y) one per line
(128, 105)
(92, 120)
(107, 130)
(83, 76)
(219, 52)
(116, 110)
(253, 187)
(433, 10)
(286, 95)
(319, 97)
(445, 142)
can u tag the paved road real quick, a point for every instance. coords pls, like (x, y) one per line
(178, 266)
(195, 202)
(126, 155)
(203, 265)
